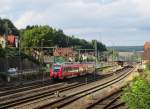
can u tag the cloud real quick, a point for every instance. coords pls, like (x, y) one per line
(4, 4)
(113, 19)
(143, 7)
(80, 13)
(29, 18)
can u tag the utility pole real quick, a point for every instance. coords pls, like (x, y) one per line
(79, 56)
(67, 40)
(41, 60)
(20, 58)
(95, 45)
(5, 44)
(42, 56)
(113, 56)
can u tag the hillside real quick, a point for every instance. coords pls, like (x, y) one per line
(127, 48)
(36, 36)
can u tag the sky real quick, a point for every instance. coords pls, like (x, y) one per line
(113, 22)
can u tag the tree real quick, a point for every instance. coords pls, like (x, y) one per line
(2, 52)
(33, 35)
(7, 26)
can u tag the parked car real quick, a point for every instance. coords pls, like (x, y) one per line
(12, 70)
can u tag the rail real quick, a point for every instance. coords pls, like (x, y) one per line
(71, 98)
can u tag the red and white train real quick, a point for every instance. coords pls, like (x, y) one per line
(68, 70)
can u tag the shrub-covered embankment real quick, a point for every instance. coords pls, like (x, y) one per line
(137, 94)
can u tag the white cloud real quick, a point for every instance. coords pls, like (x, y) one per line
(29, 18)
(84, 18)
(5, 6)
(143, 7)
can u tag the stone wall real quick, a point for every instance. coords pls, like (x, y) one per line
(24, 64)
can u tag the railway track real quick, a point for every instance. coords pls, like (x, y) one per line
(43, 84)
(16, 86)
(112, 101)
(17, 99)
(23, 86)
(62, 102)
(10, 89)
(15, 89)
(49, 91)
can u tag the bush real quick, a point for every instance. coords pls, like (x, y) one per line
(3, 76)
(137, 94)
(2, 52)
(148, 66)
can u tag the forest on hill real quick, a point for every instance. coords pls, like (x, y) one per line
(36, 36)
(127, 48)
(7, 27)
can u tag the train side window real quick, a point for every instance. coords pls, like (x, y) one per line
(75, 69)
(70, 69)
(65, 69)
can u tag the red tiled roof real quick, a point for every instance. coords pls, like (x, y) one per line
(63, 52)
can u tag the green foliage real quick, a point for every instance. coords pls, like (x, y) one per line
(91, 58)
(127, 48)
(9, 52)
(103, 68)
(147, 70)
(33, 37)
(30, 58)
(12, 52)
(137, 95)
(7, 27)
(3, 76)
(36, 36)
(2, 52)
(58, 59)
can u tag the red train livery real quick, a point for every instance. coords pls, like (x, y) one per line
(69, 70)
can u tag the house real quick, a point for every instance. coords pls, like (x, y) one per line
(67, 53)
(10, 40)
(2, 42)
(147, 52)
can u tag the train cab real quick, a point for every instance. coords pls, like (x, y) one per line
(55, 71)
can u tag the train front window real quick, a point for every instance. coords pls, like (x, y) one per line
(56, 68)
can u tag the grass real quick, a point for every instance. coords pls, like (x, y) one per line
(137, 94)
